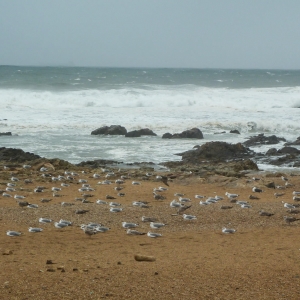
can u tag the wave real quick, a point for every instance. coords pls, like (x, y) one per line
(179, 96)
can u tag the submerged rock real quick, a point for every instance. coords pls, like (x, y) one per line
(194, 133)
(5, 133)
(140, 132)
(261, 139)
(111, 130)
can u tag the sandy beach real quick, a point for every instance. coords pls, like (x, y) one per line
(193, 259)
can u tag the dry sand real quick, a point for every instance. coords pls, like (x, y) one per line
(194, 259)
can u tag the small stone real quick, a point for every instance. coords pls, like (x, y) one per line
(119, 263)
(156, 273)
(7, 252)
(49, 262)
(75, 269)
(139, 257)
(50, 270)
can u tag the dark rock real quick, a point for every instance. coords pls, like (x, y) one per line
(16, 155)
(194, 133)
(111, 130)
(295, 143)
(261, 139)
(167, 135)
(288, 150)
(5, 133)
(216, 151)
(234, 131)
(147, 131)
(271, 152)
(134, 133)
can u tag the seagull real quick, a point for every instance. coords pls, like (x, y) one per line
(102, 229)
(158, 197)
(89, 232)
(278, 194)
(134, 232)
(246, 206)
(19, 197)
(135, 183)
(140, 204)
(228, 230)
(129, 225)
(199, 196)
(183, 208)
(32, 206)
(114, 204)
(296, 193)
(204, 202)
(13, 233)
(175, 204)
(284, 178)
(56, 189)
(96, 175)
(14, 179)
(115, 209)
(35, 229)
(148, 219)
(60, 225)
(225, 207)
(189, 217)
(251, 197)
(184, 199)
(153, 234)
(295, 198)
(289, 206)
(68, 223)
(231, 195)
(156, 225)
(289, 220)
(101, 202)
(256, 190)
(45, 220)
(178, 195)
(264, 213)
(80, 211)
(22, 203)
(44, 200)
(163, 179)
(10, 189)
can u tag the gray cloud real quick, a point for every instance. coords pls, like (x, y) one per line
(139, 33)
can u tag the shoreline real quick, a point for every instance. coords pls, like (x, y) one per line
(193, 259)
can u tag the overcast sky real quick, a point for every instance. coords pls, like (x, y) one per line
(152, 33)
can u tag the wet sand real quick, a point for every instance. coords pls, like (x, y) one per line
(194, 259)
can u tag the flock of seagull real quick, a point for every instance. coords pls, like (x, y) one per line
(181, 204)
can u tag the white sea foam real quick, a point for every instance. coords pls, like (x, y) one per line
(58, 124)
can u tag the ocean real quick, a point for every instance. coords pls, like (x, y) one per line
(51, 111)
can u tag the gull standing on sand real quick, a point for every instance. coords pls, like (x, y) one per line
(256, 190)
(287, 205)
(45, 220)
(13, 233)
(157, 225)
(189, 217)
(115, 209)
(35, 229)
(134, 232)
(228, 230)
(153, 234)
(231, 196)
(129, 225)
